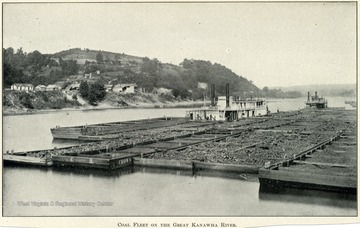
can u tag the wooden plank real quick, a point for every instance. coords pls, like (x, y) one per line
(339, 151)
(137, 150)
(165, 145)
(345, 146)
(326, 171)
(274, 130)
(323, 164)
(163, 163)
(345, 143)
(187, 140)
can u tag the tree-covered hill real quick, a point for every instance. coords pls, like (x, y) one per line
(108, 67)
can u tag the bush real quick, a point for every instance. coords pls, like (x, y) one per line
(26, 102)
(93, 93)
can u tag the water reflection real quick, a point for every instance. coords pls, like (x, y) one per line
(151, 170)
(151, 192)
(310, 197)
(93, 172)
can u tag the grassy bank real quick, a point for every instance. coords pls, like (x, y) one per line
(26, 103)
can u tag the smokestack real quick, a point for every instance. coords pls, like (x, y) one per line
(316, 95)
(227, 92)
(212, 94)
(308, 96)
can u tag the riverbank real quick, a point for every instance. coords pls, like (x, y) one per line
(37, 102)
(9, 111)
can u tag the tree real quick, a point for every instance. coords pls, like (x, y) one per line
(150, 66)
(84, 89)
(97, 92)
(99, 57)
(12, 75)
(117, 57)
(93, 92)
(266, 90)
(69, 67)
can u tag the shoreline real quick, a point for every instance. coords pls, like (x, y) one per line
(184, 104)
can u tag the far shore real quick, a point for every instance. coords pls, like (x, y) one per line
(181, 104)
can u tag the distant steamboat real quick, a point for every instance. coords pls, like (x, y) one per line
(316, 101)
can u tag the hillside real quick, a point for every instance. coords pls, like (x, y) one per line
(158, 84)
(112, 68)
(81, 56)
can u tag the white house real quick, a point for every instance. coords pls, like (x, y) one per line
(72, 87)
(22, 86)
(202, 85)
(87, 75)
(40, 88)
(162, 90)
(108, 87)
(125, 88)
(52, 87)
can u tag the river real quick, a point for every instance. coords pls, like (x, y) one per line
(138, 191)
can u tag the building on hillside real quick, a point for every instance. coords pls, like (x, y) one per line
(125, 88)
(52, 87)
(202, 85)
(22, 86)
(73, 87)
(108, 87)
(88, 75)
(98, 72)
(162, 90)
(61, 84)
(40, 88)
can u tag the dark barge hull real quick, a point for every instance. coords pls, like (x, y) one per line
(195, 165)
(93, 162)
(278, 180)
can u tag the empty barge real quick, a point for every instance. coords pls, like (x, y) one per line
(108, 131)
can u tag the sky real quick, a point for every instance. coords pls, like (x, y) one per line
(271, 44)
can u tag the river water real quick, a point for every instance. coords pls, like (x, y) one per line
(138, 191)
